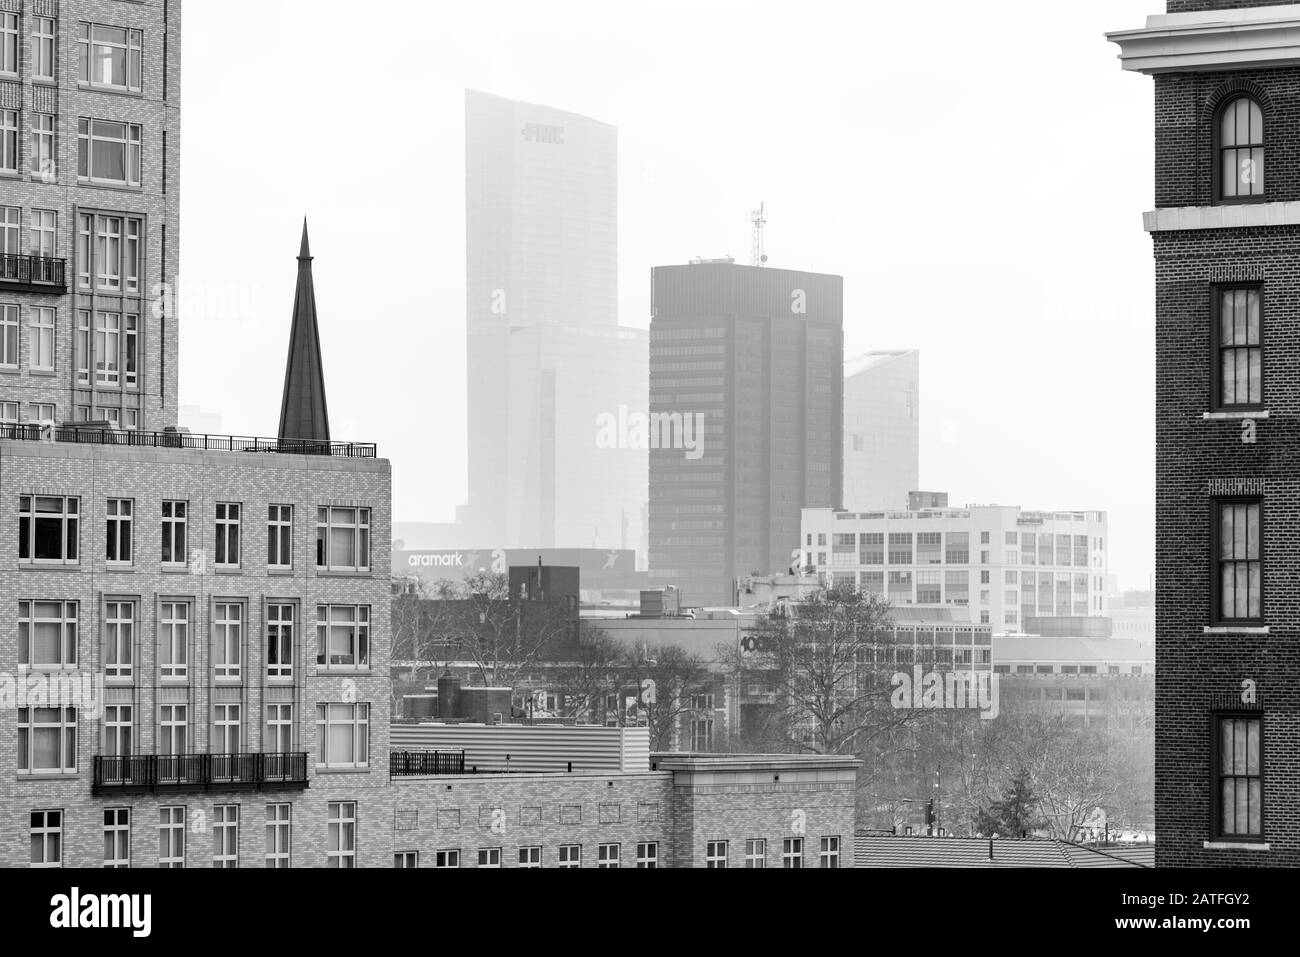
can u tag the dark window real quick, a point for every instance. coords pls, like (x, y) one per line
(1238, 572)
(1240, 150)
(1238, 748)
(1238, 360)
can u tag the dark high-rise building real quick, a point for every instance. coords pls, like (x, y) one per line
(746, 419)
(1226, 232)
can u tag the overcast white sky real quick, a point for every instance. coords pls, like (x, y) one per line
(976, 172)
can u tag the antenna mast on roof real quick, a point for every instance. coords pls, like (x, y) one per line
(757, 257)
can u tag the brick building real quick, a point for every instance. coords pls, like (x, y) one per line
(1226, 236)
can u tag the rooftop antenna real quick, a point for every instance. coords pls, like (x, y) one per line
(757, 257)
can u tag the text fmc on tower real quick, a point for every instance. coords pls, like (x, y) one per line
(1226, 234)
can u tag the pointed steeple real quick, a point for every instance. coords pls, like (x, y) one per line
(303, 414)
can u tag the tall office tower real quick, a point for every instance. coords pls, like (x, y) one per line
(548, 361)
(89, 170)
(746, 419)
(1226, 232)
(882, 436)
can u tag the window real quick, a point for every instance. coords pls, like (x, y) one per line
(226, 720)
(225, 835)
(343, 735)
(279, 536)
(1238, 363)
(119, 727)
(44, 161)
(756, 852)
(173, 639)
(1239, 575)
(8, 141)
(647, 854)
(530, 856)
(119, 639)
(108, 345)
(1240, 153)
(43, 47)
(406, 859)
(9, 43)
(829, 854)
(447, 858)
(47, 838)
(279, 728)
(41, 340)
(171, 836)
(341, 847)
(792, 852)
(117, 837)
(47, 740)
(131, 350)
(173, 532)
(343, 636)
(102, 254)
(8, 336)
(110, 56)
(570, 855)
(227, 640)
(227, 534)
(47, 634)
(1238, 749)
(607, 855)
(279, 641)
(43, 413)
(715, 854)
(489, 857)
(8, 413)
(173, 728)
(343, 539)
(118, 540)
(108, 152)
(279, 833)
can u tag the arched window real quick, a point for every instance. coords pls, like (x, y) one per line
(1241, 150)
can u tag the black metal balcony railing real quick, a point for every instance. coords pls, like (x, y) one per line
(198, 772)
(33, 273)
(425, 762)
(94, 435)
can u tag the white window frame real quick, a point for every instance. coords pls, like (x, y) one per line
(47, 825)
(489, 857)
(171, 835)
(69, 517)
(333, 518)
(647, 854)
(447, 857)
(227, 534)
(341, 834)
(279, 537)
(31, 615)
(715, 854)
(570, 855)
(43, 161)
(225, 835)
(118, 515)
(41, 338)
(9, 48)
(227, 728)
(756, 852)
(95, 136)
(227, 640)
(530, 855)
(175, 618)
(828, 853)
(279, 638)
(608, 856)
(119, 730)
(173, 724)
(108, 349)
(406, 859)
(63, 722)
(9, 335)
(9, 413)
(90, 46)
(177, 521)
(279, 728)
(792, 852)
(347, 718)
(117, 837)
(9, 141)
(44, 48)
(44, 413)
(355, 621)
(279, 835)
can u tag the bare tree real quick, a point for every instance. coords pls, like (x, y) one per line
(582, 683)
(676, 676)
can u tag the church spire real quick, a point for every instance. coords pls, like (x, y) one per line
(303, 414)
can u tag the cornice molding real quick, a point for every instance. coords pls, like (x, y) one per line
(1212, 40)
(1240, 216)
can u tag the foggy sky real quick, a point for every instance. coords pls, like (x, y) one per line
(976, 172)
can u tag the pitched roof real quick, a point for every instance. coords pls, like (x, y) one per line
(303, 413)
(897, 851)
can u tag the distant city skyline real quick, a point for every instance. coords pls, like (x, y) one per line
(1025, 374)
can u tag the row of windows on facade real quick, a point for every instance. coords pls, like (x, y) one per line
(928, 548)
(47, 737)
(179, 827)
(48, 634)
(49, 532)
(109, 152)
(108, 57)
(183, 831)
(109, 247)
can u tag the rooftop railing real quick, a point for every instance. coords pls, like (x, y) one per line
(83, 434)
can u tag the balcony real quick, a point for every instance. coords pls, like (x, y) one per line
(85, 434)
(33, 274)
(116, 774)
(402, 763)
